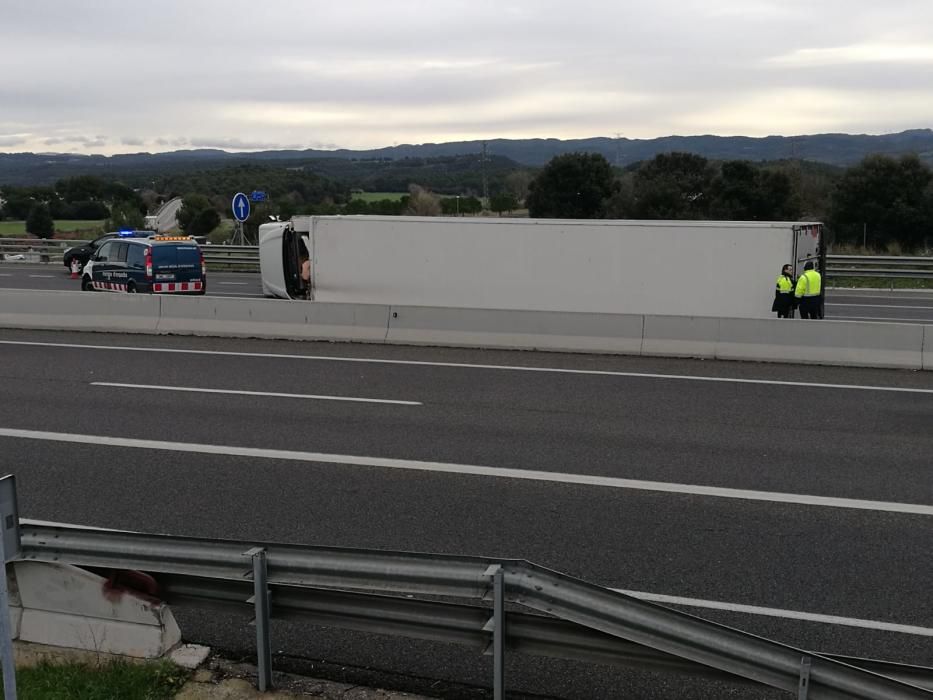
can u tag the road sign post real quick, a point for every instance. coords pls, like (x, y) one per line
(240, 208)
(9, 549)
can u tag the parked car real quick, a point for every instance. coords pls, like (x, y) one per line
(83, 253)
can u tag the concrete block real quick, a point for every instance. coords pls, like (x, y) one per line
(69, 607)
(89, 311)
(821, 342)
(927, 348)
(681, 336)
(273, 318)
(493, 328)
(189, 656)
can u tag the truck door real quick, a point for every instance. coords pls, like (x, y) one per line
(808, 247)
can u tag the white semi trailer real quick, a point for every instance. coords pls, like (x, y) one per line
(682, 268)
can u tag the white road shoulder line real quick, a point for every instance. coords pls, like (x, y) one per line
(242, 284)
(777, 612)
(475, 470)
(885, 306)
(43, 277)
(461, 365)
(238, 392)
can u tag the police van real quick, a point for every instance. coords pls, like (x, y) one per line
(155, 265)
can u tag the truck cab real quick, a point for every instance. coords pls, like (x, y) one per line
(283, 245)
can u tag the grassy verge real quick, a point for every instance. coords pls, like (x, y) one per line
(86, 229)
(881, 283)
(378, 196)
(112, 681)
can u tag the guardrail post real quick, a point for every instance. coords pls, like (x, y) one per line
(260, 600)
(803, 687)
(497, 625)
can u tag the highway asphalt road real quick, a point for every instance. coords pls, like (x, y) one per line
(824, 504)
(56, 277)
(902, 306)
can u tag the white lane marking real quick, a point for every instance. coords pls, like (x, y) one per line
(44, 277)
(460, 365)
(883, 306)
(777, 612)
(889, 319)
(238, 392)
(236, 283)
(474, 470)
(68, 526)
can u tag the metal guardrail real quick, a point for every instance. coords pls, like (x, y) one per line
(351, 587)
(882, 266)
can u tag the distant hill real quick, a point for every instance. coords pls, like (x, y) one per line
(833, 149)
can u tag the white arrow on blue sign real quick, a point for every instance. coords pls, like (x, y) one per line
(240, 207)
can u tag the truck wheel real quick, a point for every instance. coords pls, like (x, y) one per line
(86, 284)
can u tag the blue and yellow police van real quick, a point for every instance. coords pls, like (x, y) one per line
(154, 265)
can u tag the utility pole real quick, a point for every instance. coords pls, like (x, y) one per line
(618, 150)
(485, 183)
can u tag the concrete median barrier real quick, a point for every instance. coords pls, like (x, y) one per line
(492, 328)
(273, 318)
(681, 336)
(88, 311)
(65, 606)
(822, 342)
(927, 348)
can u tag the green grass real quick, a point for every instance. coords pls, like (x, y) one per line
(378, 196)
(881, 282)
(112, 681)
(17, 229)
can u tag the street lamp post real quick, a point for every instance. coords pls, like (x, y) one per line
(458, 205)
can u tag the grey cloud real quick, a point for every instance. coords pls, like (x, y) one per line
(132, 141)
(6, 141)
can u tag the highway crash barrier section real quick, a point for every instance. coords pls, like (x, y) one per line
(490, 328)
(272, 318)
(403, 593)
(860, 344)
(64, 606)
(928, 347)
(119, 313)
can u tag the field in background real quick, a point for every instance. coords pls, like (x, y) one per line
(74, 229)
(378, 196)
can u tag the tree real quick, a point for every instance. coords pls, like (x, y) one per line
(421, 202)
(571, 186)
(518, 183)
(197, 217)
(745, 192)
(39, 222)
(673, 186)
(124, 215)
(883, 200)
(504, 201)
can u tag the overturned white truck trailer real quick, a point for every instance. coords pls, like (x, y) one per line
(681, 268)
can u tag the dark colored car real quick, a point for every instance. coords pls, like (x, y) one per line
(156, 265)
(83, 253)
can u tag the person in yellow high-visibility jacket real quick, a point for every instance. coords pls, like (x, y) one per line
(808, 292)
(784, 293)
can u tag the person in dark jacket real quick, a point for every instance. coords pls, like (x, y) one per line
(784, 293)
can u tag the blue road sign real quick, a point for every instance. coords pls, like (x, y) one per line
(240, 207)
(258, 196)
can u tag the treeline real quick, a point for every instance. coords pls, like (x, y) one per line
(883, 201)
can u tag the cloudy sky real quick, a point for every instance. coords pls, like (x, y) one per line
(112, 76)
